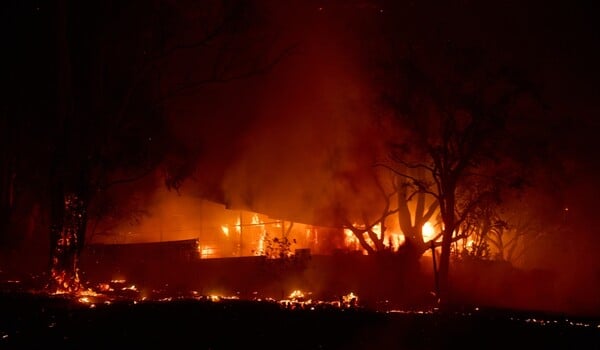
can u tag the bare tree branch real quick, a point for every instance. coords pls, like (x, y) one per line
(188, 88)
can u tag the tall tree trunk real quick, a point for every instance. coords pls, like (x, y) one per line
(68, 179)
(449, 223)
(67, 233)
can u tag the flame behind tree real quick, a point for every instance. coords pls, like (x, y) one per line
(413, 226)
(406, 212)
(370, 229)
(453, 123)
(67, 240)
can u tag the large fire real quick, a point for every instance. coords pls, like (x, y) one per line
(221, 232)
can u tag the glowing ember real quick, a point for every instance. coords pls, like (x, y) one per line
(105, 287)
(66, 246)
(88, 292)
(296, 294)
(350, 299)
(297, 300)
(217, 298)
(131, 287)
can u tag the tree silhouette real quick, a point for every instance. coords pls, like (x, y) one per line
(119, 64)
(412, 225)
(369, 228)
(453, 115)
(397, 195)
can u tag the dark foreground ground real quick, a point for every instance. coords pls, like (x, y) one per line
(41, 321)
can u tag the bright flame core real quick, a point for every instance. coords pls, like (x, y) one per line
(296, 294)
(428, 232)
(350, 298)
(225, 230)
(377, 230)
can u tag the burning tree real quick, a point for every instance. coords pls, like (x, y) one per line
(119, 66)
(413, 225)
(402, 220)
(453, 122)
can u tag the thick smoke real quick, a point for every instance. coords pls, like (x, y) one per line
(300, 141)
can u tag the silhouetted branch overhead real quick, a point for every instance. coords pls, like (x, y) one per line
(190, 87)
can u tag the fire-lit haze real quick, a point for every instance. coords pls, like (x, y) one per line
(294, 155)
(299, 143)
(292, 143)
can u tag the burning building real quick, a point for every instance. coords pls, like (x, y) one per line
(217, 232)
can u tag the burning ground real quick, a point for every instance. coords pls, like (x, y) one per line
(37, 320)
